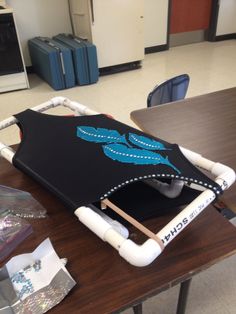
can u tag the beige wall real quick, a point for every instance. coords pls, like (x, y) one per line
(39, 18)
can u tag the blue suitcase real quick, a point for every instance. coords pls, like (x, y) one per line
(52, 61)
(84, 56)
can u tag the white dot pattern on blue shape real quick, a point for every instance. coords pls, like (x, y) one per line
(144, 143)
(131, 155)
(98, 135)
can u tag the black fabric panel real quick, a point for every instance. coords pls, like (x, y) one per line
(78, 171)
(143, 202)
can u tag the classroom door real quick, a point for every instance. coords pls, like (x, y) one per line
(190, 17)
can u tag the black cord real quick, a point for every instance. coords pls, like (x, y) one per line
(71, 19)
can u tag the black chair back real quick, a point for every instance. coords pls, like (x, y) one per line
(170, 90)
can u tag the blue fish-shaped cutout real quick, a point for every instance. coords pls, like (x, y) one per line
(145, 142)
(136, 156)
(99, 135)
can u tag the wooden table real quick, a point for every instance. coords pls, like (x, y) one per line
(205, 124)
(105, 282)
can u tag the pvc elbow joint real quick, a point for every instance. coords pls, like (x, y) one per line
(225, 175)
(59, 100)
(140, 255)
(171, 190)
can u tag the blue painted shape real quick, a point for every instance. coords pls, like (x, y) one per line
(100, 135)
(145, 142)
(122, 153)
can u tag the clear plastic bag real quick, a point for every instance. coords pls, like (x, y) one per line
(20, 203)
(13, 230)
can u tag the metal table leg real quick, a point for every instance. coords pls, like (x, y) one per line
(182, 300)
(183, 295)
(138, 309)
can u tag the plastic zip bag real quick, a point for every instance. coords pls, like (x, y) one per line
(13, 230)
(14, 206)
(20, 203)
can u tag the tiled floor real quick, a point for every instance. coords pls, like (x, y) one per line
(211, 66)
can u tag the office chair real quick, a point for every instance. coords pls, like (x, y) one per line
(170, 90)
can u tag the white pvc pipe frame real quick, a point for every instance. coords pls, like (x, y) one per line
(138, 255)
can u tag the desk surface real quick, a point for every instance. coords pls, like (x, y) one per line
(105, 282)
(205, 124)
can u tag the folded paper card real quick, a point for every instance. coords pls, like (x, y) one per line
(34, 282)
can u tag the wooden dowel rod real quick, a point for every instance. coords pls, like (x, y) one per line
(134, 222)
